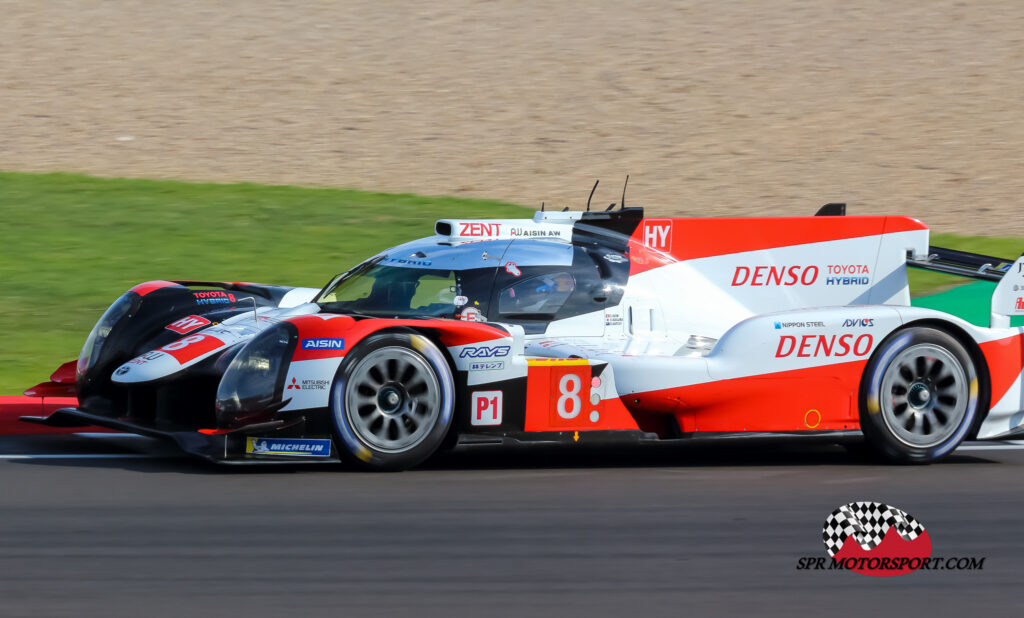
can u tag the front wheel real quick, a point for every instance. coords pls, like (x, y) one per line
(392, 401)
(919, 396)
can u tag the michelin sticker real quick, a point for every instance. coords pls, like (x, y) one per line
(290, 447)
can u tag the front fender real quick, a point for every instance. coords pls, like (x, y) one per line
(325, 339)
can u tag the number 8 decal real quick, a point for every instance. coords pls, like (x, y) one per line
(181, 343)
(569, 393)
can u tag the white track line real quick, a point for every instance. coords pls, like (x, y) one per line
(107, 434)
(83, 456)
(992, 447)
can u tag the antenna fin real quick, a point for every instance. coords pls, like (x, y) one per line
(592, 193)
(623, 202)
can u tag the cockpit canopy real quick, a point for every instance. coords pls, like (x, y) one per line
(527, 281)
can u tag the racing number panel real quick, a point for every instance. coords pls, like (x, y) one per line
(571, 395)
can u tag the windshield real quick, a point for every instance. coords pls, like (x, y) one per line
(388, 291)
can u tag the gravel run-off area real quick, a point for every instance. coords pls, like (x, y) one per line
(713, 107)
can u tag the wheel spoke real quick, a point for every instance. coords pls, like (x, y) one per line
(408, 371)
(906, 373)
(920, 367)
(391, 432)
(375, 376)
(366, 399)
(401, 430)
(428, 400)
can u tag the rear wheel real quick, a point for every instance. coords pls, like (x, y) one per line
(919, 396)
(392, 401)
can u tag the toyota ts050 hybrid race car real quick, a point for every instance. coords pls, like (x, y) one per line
(570, 327)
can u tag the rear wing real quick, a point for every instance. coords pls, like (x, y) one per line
(962, 263)
(1007, 298)
(940, 259)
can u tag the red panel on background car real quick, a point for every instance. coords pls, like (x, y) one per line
(65, 374)
(145, 288)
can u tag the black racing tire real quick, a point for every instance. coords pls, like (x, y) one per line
(392, 402)
(919, 396)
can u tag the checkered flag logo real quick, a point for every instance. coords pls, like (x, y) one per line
(866, 523)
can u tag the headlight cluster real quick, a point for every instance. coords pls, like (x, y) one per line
(93, 348)
(254, 379)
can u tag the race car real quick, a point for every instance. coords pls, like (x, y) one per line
(570, 327)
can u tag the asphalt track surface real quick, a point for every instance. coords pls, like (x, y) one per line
(101, 527)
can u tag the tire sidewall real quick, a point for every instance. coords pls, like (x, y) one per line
(873, 424)
(354, 449)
